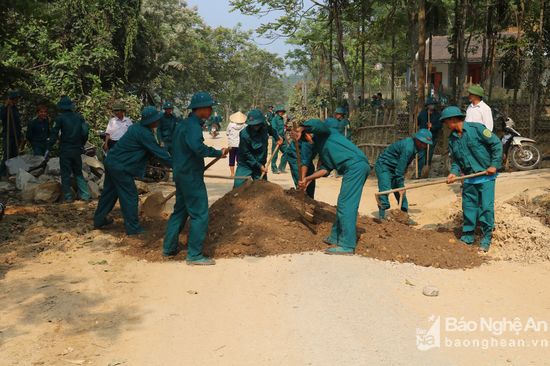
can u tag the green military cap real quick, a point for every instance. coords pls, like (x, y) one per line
(168, 105)
(119, 106)
(255, 117)
(476, 89)
(450, 112)
(340, 110)
(424, 135)
(150, 115)
(280, 108)
(65, 103)
(201, 100)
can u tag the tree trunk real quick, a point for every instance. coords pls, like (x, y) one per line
(421, 62)
(340, 55)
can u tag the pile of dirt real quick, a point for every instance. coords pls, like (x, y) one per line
(521, 229)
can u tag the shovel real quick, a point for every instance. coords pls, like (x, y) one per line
(269, 161)
(155, 202)
(307, 212)
(404, 189)
(426, 168)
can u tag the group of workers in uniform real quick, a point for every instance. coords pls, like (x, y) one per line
(473, 148)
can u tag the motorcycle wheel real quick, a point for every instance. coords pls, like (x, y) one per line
(525, 157)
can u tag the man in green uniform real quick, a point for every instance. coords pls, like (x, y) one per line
(474, 149)
(167, 125)
(189, 152)
(428, 119)
(126, 160)
(306, 159)
(72, 131)
(12, 138)
(38, 131)
(269, 115)
(278, 124)
(339, 122)
(393, 163)
(338, 153)
(253, 141)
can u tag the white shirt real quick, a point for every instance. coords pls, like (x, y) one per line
(233, 131)
(117, 128)
(480, 113)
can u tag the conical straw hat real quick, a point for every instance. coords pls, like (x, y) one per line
(238, 117)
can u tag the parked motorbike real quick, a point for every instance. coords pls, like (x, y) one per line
(214, 130)
(518, 151)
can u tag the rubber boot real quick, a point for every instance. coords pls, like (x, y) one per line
(201, 261)
(340, 251)
(467, 238)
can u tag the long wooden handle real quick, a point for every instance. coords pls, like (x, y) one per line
(226, 177)
(429, 184)
(212, 162)
(269, 160)
(167, 198)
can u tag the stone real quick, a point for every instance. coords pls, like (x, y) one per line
(48, 192)
(24, 162)
(6, 187)
(27, 193)
(93, 163)
(47, 178)
(53, 168)
(431, 291)
(86, 175)
(94, 189)
(23, 178)
(142, 187)
(101, 181)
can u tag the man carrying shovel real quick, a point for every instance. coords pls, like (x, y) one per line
(189, 152)
(392, 165)
(474, 148)
(338, 153)
(126, 160)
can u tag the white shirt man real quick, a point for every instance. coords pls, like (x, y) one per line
(478, 111)
(117, 127)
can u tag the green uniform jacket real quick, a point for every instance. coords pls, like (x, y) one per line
(167, 126)
(74, 132)
(131, 153)
(335, 151)
(38, 133)
(307, 153)
(396, 158)
(338, 124)
(278, 125)
(477, 149)
(269, 117)
(253, 146)
(189, 149)
(422, 120)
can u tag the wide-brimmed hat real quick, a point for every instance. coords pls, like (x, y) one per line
(451, 112)
(201, 100)
(168, 105)
(65, 104)
(255, 117)
(424, 135)
(280, 108)
(119, 106)
(340, 110)
(476, 89)
(150, 115)
(238, 117)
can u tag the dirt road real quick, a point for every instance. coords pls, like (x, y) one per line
(89, 304)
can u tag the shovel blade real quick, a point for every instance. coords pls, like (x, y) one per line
(154, 205)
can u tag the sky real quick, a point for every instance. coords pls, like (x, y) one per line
(217, 13)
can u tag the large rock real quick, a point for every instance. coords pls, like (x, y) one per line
(142, 187)
(48, 192)
(24, 162)
(6, 187)
(23, 179)
(93, 165)
(53, 167)
(94, 189)
(48, 178)
(27, 193)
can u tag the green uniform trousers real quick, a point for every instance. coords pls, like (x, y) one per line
(478, 205)
(191, 202)
(344, 228)
(119, 185)
(70, 163)
(245, 171)
(282, 149)
(387, 181)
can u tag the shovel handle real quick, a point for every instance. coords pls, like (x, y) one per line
(403, 189)
(269, 160)
(167, 198)
(226, 177)
(212, 162)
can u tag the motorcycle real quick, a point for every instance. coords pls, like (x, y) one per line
(214, 130)
(519, 151)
